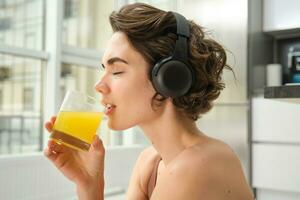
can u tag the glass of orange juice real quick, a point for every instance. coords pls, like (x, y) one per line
(77, 121)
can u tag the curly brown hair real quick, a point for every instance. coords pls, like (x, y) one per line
(152, 32)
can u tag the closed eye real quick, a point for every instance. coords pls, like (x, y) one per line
(116, 73)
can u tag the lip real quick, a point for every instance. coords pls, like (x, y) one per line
(109, 107)
(110, 110)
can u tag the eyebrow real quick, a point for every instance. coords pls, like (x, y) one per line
(113, 60)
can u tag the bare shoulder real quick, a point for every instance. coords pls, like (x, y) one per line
(216, 167)
(209, 155)
(209, 170)
(146, 159)
(148, 154)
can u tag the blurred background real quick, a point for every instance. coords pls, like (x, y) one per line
(50, 46)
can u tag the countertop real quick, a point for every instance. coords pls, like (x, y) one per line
(289, 93)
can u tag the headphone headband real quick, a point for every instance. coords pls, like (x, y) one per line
(183, 28)
(183, 33)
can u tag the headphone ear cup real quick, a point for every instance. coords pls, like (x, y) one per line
(171, 78)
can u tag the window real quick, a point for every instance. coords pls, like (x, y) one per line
(28, 99)
(2, 3)
(1, 39)
(71, 9)
(21, 27)
(81, 78)
(1, 99)
(4, 73)
(17, 19)
(21, 102)
(86, 24)
(5, 23)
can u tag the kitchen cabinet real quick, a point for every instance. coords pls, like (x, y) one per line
(276, 166)
(274, 116)
(276, 144)
(275, 121)
(276, 17)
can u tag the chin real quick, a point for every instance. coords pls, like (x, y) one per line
(118, 126)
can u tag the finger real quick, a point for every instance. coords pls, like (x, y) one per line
(51, 155)
(53, 119)
(57, 148)
(51, 143)
(49, 126)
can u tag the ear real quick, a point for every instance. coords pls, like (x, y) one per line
(172, 108)
(169, 103)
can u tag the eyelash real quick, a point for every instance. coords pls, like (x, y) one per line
(117, 73)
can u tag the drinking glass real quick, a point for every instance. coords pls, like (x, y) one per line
(77, 121)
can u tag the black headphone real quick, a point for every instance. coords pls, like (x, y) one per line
(172, 76)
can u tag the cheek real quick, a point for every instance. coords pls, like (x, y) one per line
(136, 97)
(133, 99)
(133, 87)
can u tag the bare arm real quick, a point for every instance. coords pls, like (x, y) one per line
(140, 175)
(134, 191)
(94, 191)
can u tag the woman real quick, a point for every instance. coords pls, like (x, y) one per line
(184, 163)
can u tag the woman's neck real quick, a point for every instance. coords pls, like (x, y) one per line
(170, 134)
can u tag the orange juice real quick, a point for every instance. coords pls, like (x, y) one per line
(76, 129)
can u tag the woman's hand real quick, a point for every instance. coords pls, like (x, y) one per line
(85, 169)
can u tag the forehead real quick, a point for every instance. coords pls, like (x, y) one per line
(119, 46)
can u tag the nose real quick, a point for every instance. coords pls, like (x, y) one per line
(102, 87)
